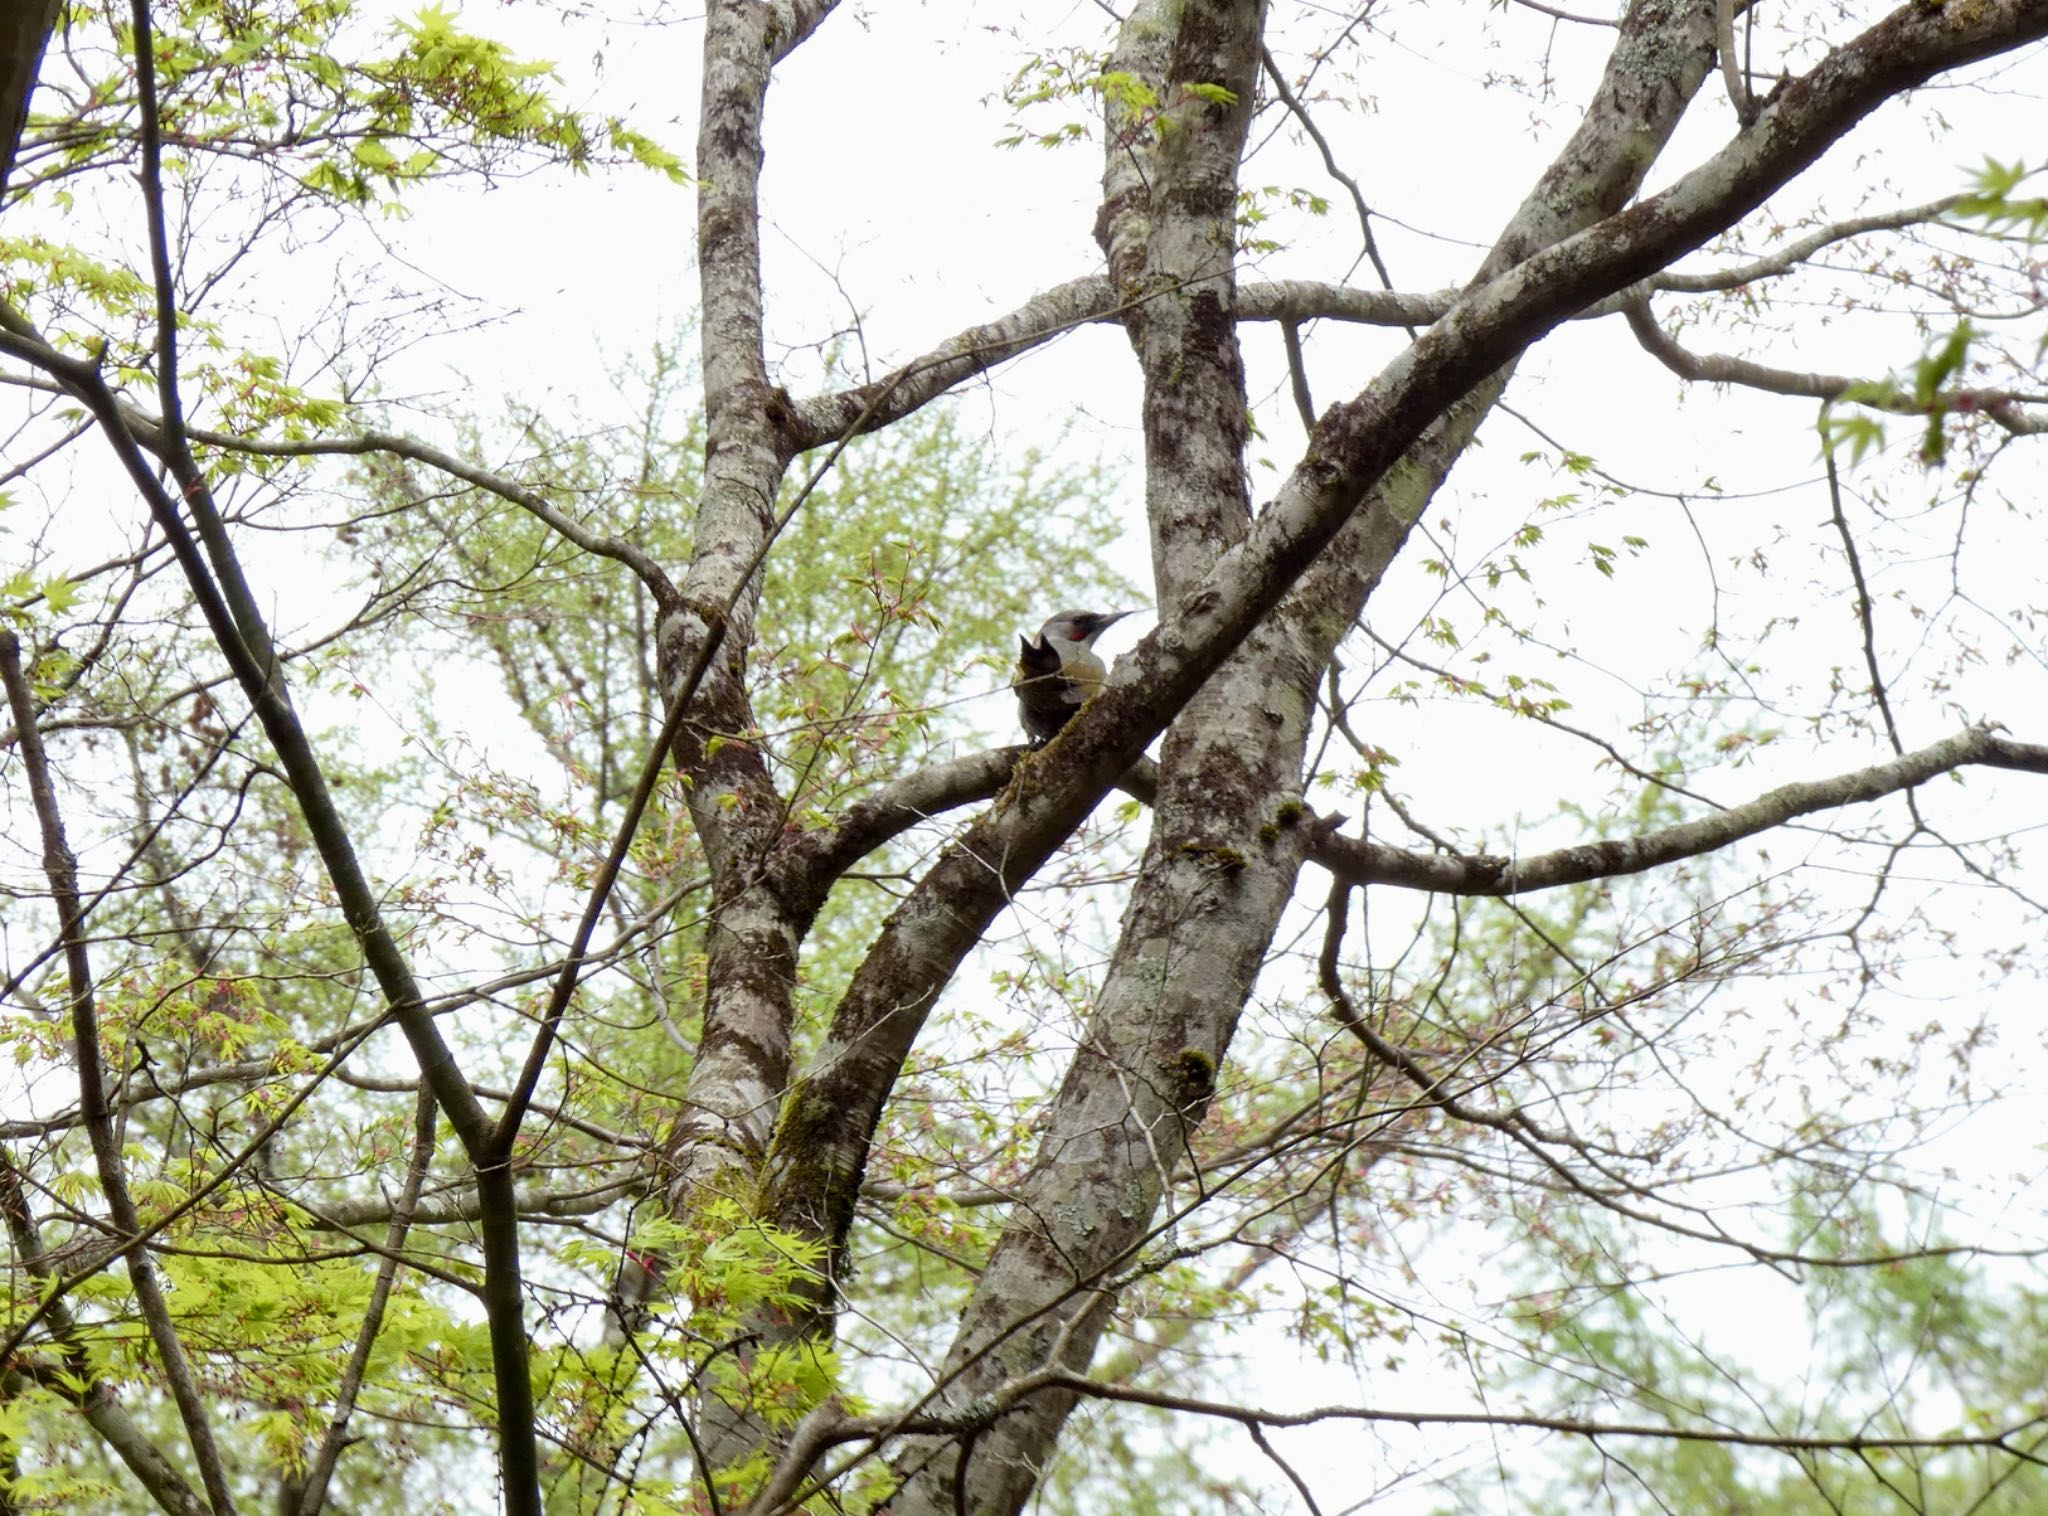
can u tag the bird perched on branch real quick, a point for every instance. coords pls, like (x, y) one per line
(1058, 672)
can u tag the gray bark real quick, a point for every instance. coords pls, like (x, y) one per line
(1353, 472)
(1216, 880)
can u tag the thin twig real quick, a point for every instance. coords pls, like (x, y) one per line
(1865, 612)
(337, 1439)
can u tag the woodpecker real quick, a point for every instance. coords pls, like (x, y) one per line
(1058, 672)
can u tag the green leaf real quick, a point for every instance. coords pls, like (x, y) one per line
(1858, 432)
(374, 155)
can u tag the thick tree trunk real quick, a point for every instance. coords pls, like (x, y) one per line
(1221, 865)
(720, 1135)
(1372, 463)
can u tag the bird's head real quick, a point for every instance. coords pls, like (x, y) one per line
(1077, 627)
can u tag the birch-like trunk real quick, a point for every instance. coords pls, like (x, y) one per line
(1221, 866)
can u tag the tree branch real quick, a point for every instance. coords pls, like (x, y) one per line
(59, 866)
(92, 1394)
(2003, 406)
(1095, 1389)
(1731, 68)
(1797, 251)
(959, 358)
(335, 1439)
(1090, 300)
(875, 820)
(826, 1428)
(464, 1205)
(149, 431)
(809, 863)
(1299, 110)
(1574, 17)
(1356, 861)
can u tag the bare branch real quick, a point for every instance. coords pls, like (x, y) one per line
(1792, 254)
(809, 862)
(2005, 407)
(1731, 69)
(464, 1205)
(1081, 302)
(959, 358)
(1355, 861)
(1866, 611)
(1299, 110)
(1563, 15)
(149, 432)
(827, 1427)
(1297, 376)
(1363, 862)
(1258, 1434)
(335, 1440)
(1999, 1441)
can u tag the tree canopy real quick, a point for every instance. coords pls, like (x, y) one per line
(538, 972)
